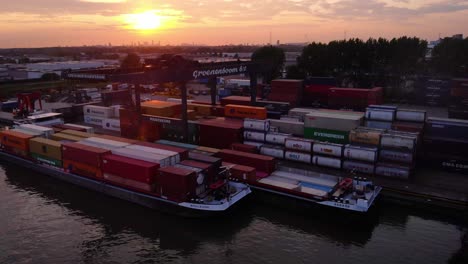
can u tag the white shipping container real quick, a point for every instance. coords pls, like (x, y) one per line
(29, 132)
(163, 161)
(257, 136)
(111, 124)
(101, 111)
(46, 131)
(178, 100)
(358, 153)
(292, 118)
(398, 141)
(396, 156)
(326, 162)
(93, 120)
(304, 145)
(288, 127)
(174, 155)
(393, 171)
(256, 144)
(380, 125)
(274, 129)
(361, 167)
(254, 124)
(411, 115)
(116, 110)
(333, 120)
(335, 150)
(301, 112)
(272, 152)
(105, 142)
(380, 114)
(87, 128)
(298, 156)
(276, 138)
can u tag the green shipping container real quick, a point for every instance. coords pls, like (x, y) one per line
(175, 133)
(47, 160)
(327, 135)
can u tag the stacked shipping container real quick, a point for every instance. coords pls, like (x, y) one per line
(286, 90)
(354, 98)
(458, 101)
(433, 91)
(102, 116)
(446, 144)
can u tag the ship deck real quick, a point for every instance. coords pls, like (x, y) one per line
(428, 186)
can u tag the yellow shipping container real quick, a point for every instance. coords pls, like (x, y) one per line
(160, 108)
(62, 136)
(46, 147)
(200, 109)
(207, 149)
(77, 133)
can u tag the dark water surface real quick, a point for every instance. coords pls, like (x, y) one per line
(43, 220)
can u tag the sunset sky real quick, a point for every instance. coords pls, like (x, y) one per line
(39, 23)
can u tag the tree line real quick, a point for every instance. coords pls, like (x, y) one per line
(377, 61)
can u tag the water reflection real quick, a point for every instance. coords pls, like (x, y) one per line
(77, 225)
(117, 219)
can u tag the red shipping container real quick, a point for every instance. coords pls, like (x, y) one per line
(408, 127)
(208, 169)
(260, 162)
(149, 130)
(202, 102)
(236, 100)
(83, 154)
(61, 127)
(241, 173)
(128, 183)
(129, 123)
(230, 129)
(128, 168)
(217, 110)
(177, 184)
(82, 169)
(183, 153)
(244, 148)
(16, 151)
(318, 89)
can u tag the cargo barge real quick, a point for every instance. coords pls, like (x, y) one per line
(308, 189)
(143, 173)
(186, 209)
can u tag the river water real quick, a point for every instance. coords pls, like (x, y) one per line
(43, 220)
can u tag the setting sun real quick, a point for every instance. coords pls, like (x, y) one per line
(143, 21)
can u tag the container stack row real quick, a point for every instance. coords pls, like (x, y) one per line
(106, 117)
(446, 144)
(286, 90)
(435, 92)
(169, 172)
(458, 101)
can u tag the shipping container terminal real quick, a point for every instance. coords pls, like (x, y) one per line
(343, 154)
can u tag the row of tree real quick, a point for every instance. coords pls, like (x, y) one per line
(373, 62)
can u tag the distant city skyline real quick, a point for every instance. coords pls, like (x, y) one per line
(44, 23)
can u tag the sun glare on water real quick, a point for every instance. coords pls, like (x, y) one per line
(144, 21)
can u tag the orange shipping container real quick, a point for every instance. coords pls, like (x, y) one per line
(82, 169)
(119, 139)
(15, 139)
(242, 111)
